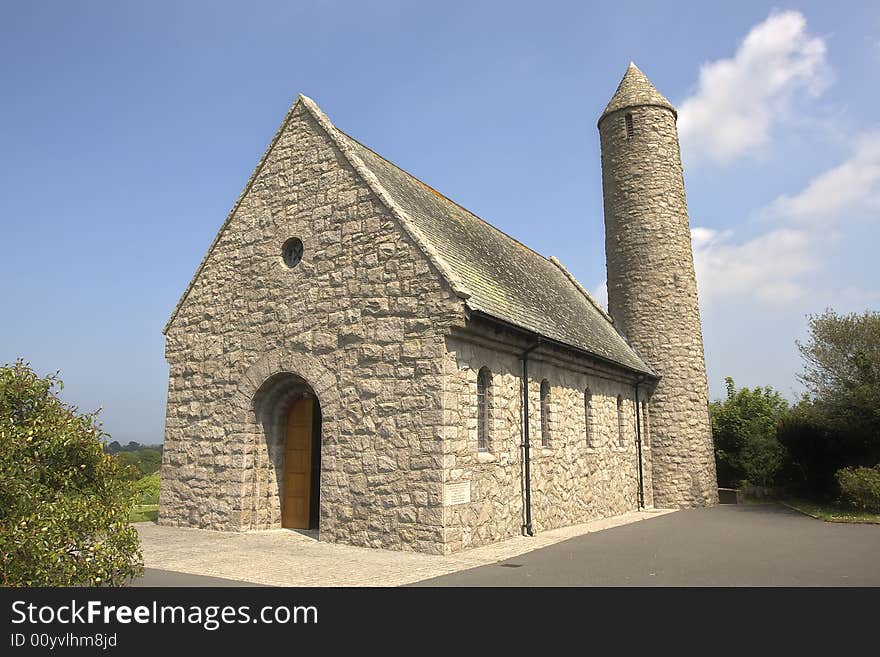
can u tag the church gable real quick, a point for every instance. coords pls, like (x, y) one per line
(359, 310)
(304, 188)
(489, 271)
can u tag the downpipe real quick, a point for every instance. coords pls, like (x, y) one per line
(526, 446)
(641, 500)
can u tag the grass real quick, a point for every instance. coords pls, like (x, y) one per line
(147, 510)
(831, 513)
(144, 513)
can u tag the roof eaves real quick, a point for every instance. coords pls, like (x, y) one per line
(648, 371)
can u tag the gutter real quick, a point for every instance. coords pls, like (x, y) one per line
(564, 345)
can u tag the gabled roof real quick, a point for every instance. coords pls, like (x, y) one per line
(635, 89)
(494, 274)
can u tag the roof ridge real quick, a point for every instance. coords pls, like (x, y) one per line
(581, 288)
(244, 191)
(443, 196)
(376, 187)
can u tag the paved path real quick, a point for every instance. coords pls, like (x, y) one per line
(289, 558)
(746, 545)
(157, 577)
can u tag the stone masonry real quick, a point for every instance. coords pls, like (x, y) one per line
(361, 320)
(399, 299)
(573, 481)
(652, 287)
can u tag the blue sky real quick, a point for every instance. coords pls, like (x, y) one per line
(128, 130)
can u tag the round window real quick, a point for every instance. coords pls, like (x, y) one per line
(292, 251)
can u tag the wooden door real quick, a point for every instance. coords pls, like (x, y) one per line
(298, 466)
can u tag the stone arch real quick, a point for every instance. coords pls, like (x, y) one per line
(300, 363)
(265, 389)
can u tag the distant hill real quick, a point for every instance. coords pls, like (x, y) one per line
(115, 447)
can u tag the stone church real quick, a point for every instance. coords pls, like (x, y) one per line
(359, 355)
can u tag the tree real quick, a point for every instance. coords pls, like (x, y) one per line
(814, 451)
(64, 505)
(144, 461)
(842, 377)
(744, 429)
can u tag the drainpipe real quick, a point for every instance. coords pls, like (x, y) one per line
(639, 444)
(527, 527)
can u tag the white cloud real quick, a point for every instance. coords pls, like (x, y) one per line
(768, 268)
(740, 100)
(600, 294)
(738, 105)
(772, 266)
(849, 189)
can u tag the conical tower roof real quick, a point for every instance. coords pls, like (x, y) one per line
(635, 89)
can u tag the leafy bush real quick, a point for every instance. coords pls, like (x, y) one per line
(815, 451)
(842, 377)
(147, 489)
(860, 488)
(744, 430)
(64, 505)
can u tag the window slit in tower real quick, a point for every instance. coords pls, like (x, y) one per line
(630, 130)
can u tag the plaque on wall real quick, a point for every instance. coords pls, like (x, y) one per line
(457, 493)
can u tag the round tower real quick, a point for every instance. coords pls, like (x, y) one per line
(652, 287)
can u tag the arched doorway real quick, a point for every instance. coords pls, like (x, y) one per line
(289, 413)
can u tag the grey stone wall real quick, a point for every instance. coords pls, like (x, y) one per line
(652, 295)
(360, 320)
(366, 325)
(572, 482)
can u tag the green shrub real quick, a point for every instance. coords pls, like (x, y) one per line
(744, 432)
(64, 505)
(814, 450)
(147, 489)
(860, 488)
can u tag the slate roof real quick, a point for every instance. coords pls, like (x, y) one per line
(493, 273)
(635, 89)
(497, 275)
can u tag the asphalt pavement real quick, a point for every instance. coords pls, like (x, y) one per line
(163, 578)
(728, 545)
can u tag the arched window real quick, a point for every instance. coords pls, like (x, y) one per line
(621, 427)
(645, 435)
(484, 408)
(588, 400)
(545, 413)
